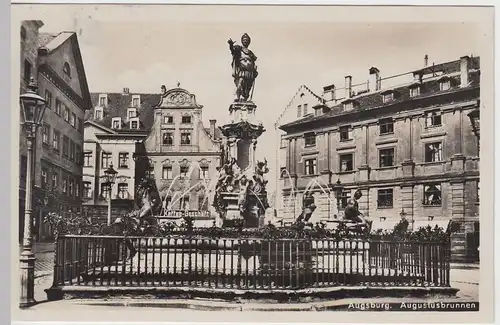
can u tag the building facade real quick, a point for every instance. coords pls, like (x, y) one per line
(117, 122)
(409, 147)
(149, 136)
(55, 61)
(182, 156)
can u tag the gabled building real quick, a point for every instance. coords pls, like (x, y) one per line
(181, 155)
(113, 127)
(55, 61)
(406, 143)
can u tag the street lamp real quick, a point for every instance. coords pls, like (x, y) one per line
(110, 176)
(474, 121)
(32, 109)
(338, 190)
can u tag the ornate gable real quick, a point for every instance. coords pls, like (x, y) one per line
(178, 98)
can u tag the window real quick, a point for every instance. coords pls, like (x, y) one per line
(348, 106)
(168, 119)
(98, 114)
(58, 106)
(65, 185)
(318, 111)
(56, 137)
(67, 69)
(283, 143)
(87, 190)
(150, 172)
(385, 198)
(305, 109)
(345, 133)
(77, 189)
(478, 192)
(433, 119)
(387, 97)
(106, 159)
(310, 139)
(299, 111)
(415, 91)
(433, 152)
(55, 179)
(78, 154)
(66, 113)
(71, 150)
(72, 120)
(45, 134)
(105, 190)
(346, 162)
(102, 101)
(117, 123)
(65, 146)
(27, 70)
(185, 138)
(80, 125)
(166, 172)
(310, 167)
(87, 159)
(135, 102)
(132, 113)
(386, 126)
(168, 139)
(45, 177)
(386, 157)
(432, 194)
(344, 198)
(204, 172)
(185, 203)
(186, 120)
(48, 98)
(123, 191)
(444, 85)
(184, 171)
(134, 123)
(123, 160)
(71, 186)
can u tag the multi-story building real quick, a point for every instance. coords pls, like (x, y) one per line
(408, 146)
(155, 136)
(112, 128)
(181, 155)
(55, 61)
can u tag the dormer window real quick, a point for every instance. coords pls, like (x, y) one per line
(98, 114)
(131, 113)
(103, 100)
(349, 105)
(414, 89)
(388, 96)
(136, 100)
(444, 83)
(134, 123)
(67, 69)
(116, 123)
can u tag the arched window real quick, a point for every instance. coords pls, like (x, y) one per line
(67, 69)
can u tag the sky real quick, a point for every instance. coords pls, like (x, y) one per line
(144, 55)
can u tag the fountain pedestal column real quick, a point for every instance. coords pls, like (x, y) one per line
(242, 193)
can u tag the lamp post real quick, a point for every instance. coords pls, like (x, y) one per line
(110, 176)
(32, 110)
(338, 189)
(474, 121)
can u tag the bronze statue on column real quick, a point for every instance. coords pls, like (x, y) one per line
(244, 68)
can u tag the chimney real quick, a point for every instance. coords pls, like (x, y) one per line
(374, 81)
(212, 128)
(417, 77)
(348, 87)
(426, 60)
(126, 91)
(464, 71)
(329, 93)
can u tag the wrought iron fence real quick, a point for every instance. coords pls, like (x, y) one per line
(247, 263)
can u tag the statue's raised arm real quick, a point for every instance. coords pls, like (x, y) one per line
(244, 68)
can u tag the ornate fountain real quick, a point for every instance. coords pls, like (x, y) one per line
(240, 193)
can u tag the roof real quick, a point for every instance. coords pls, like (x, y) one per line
(47, 43)
(118, 104)
(300, 90)
(218, 133)
(373, 100)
